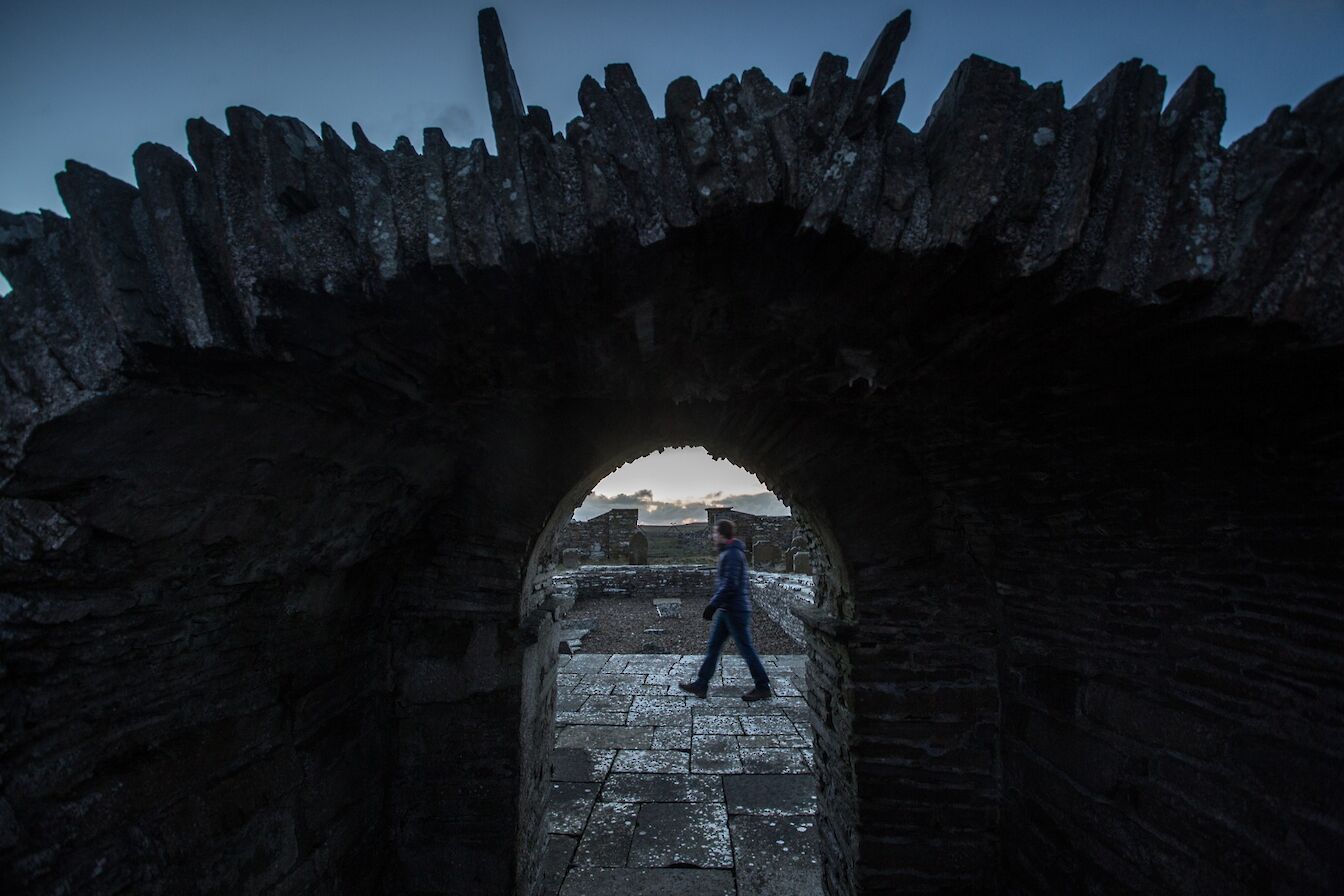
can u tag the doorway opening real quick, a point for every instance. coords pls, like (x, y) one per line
(651, 786)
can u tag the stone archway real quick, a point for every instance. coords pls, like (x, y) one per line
(817, 464)
(282, 426)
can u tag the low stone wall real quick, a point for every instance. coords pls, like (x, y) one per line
(643, 582)
(771, 593)
(775, 593)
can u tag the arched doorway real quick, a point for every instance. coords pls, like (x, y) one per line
(853, 487)
(651, 784)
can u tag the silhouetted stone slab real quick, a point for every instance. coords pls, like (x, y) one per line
(662, 788)
(770, 794)
(681, 834)
(649, 882)
(775, 856)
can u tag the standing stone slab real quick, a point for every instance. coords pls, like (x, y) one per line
(681, 834)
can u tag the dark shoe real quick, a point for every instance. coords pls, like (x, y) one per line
(691, 687)
(758, 693)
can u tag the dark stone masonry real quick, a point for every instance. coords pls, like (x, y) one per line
(287, 431)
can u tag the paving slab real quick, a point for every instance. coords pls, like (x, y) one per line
(638, 687)
(569, 807)
(570, 702)
(584, 717)
(580, 764)
(649, 882)
(659, 717)
(672, 737)
(789, 741)
(665, 777)
(619, 661)
(775, 856)
(653, 761)
(661, 788)
(715, 754)
(770, 794)
(606, 841)
(670, 834)
(605, 737)
(652, 664)
(717, 725)
(555, 862)
(771, 724)
(768, 760)
(586, 662)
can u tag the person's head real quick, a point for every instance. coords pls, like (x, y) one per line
(723, 532)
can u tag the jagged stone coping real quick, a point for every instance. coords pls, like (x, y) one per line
(1114, 196)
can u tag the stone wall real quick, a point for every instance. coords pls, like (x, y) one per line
(751, 527)
(604, 538)
(638, 583)
(776, 594)
(287, 433)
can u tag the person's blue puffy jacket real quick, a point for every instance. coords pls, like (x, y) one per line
(734, 588)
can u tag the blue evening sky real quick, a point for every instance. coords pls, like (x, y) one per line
(91, 80)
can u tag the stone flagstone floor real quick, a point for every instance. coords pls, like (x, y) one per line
(656, 792)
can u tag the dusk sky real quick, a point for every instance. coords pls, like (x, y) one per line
(92, 80)
(676, 485)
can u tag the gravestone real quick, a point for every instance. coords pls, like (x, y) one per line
(764, 554)
(639, 549)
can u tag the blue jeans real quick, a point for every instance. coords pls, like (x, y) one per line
(738, 624)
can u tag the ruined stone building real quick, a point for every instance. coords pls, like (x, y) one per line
(610, 536)
(1057, 391)
(776, 531)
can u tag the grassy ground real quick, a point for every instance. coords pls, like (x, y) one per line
(687, 543)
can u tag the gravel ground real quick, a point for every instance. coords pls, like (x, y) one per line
(620, 624)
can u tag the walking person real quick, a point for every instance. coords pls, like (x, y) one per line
(730, 608)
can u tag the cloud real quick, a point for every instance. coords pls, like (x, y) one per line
(455, 120)
(662, 513)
